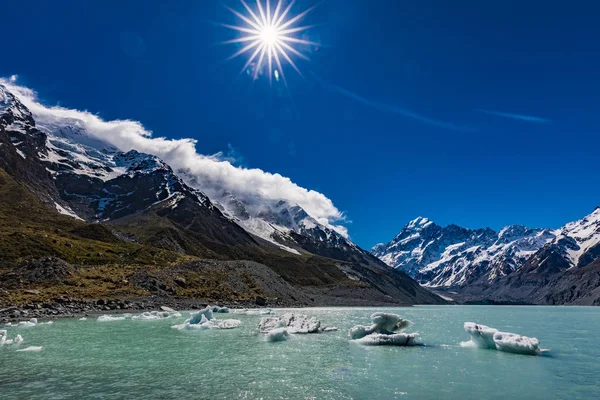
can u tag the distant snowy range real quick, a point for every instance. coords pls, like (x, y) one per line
(461, 258)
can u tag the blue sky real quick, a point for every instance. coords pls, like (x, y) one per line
(477, 114)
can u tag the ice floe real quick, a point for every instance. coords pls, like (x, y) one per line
(32, 348)
(155, 315)
(484, 337)
(31, 323)
(277, 335)
(386, 329)
(263, 311)
(395, 339)
(204, 319)
(295, 323)
(109, 318)
(5, 340)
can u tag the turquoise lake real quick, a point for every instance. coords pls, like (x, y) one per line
(148, 359)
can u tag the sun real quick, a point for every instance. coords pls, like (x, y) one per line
(269, 34)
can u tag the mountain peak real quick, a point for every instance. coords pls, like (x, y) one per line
(419, 223)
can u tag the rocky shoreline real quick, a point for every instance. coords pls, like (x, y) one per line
(67, 308)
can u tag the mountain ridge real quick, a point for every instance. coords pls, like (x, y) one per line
(141, 200)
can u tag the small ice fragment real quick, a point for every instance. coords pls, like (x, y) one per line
(109, 318)
(277, 335)
(32, 348)
(83, 319)
(27, 324)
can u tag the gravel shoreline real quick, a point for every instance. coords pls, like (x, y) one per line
(66, 308)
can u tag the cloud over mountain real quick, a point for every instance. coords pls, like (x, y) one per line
(213, 173)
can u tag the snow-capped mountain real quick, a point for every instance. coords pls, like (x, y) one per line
(94, 181)
(454, 256)
(282, 223)
(576, 245)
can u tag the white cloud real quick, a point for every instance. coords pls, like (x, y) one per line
(212, 172)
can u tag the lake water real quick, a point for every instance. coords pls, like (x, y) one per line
(147, 359)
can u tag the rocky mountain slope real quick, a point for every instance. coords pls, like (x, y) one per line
(516, 264)
(135, 201)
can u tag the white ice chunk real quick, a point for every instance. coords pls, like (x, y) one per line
(83, 319)
(386, 329)
(27, 324)
(296, 323)
(513, 343)
(206, 324)
(277, 335)
(155, 315)
(396, 339)
(481, 336)
(109, 318)
(485, 337)
(387, 322)
(32, 348)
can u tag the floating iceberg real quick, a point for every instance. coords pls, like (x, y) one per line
(27, 324)
(386, 329)
(217, 309)
(205, 313)
(277, 335)
(155, 315)
(263, 311)
(32, 348)
(481, 336)
(295, 323)
(109, 318)
(204, 319)
(5, 340)
(83, 319)
(484, 337)
(395, 339)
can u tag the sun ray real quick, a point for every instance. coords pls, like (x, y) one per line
(241, 29)
(245, 19)
(260, 61)
(277, 9)
(262, 13)
(296, 18)
(242, 39)
(285, 13)
(288, 59)
(258, 50)
(245, 49)
(294, 30)
(271, 33)
(293, 50)
(294, 40)
(252, 14)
